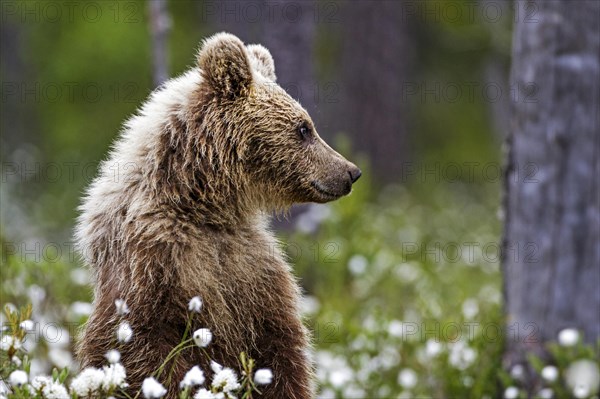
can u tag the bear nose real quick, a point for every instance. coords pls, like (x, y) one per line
(354, 173)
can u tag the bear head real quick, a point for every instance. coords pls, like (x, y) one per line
(267, 134)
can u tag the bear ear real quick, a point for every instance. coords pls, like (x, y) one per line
(225, 65)
(262, 61)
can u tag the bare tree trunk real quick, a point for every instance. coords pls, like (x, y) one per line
(285, 27)
(376, 63)
(551, 256)
(290, 39)
(160, 23)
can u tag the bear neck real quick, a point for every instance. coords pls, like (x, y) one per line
(197, 178)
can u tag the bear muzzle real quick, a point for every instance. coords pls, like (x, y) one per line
(338, 186)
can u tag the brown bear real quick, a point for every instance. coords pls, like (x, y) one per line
(180, 209)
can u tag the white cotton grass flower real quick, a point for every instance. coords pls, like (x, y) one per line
(545, 393)
(153, 389)
(80, 309)
(18, 378)
(407, 378)
(27, 325)
(113, 356)
(470, 308)
(583, 377)
(581, 391)
(263, 376)
(309, 305)
(40, 381)
(55, 390)
(568, 337)
(340, 377)
(461, 356)
(215, 367)
(122, 308)
(202, 337)
(61, 358)
(195, 304)
(8, 341)
(358, 264)
(114, 377)
(3, 389)
(193, 377)
(87, 382)
(549, 373)
(124, 332)
(511, 393)
(432, 348)
(517, 372)
(396, 328)
(225, 380)
(204, 394)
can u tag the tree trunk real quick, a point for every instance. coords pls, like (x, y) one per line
(290, 39)
(551, 248)
(160, 23)
(376, 62)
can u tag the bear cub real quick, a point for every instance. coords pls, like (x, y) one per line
(180, 209)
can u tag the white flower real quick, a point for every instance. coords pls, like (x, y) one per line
(15, 359)
(18, 378)
(581, 391)
(202, 337)
(511, 393)
(549, 373)
(432, 348)
(3, 390)
(309, 305)
(113, 356)
(467, 381)
(357, 264)
(55, 390)
(192, 378)
(225, 380)
(40, 382)
(461, 356)
(583, 377)
(87, 382)
(470, 308)
(215, 367)
(396, 328)
(517, 371)
(204, 394)
(340, 377)
(122, 308)
(195, 304)
(568, 337)
(263, 376)
(153, 389)
(61, 358)
(124, 332)
(407, 378)
(8, 341)
(81, 309)
(114, 376)
(546, 393)
(27, 325)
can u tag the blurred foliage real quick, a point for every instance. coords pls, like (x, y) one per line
(91, 69)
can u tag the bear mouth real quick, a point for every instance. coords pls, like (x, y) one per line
(324, 192)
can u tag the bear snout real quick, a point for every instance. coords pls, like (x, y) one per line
(354, 173)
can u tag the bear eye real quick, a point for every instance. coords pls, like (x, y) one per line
(304, 131)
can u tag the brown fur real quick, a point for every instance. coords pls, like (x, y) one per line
(186, 215)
